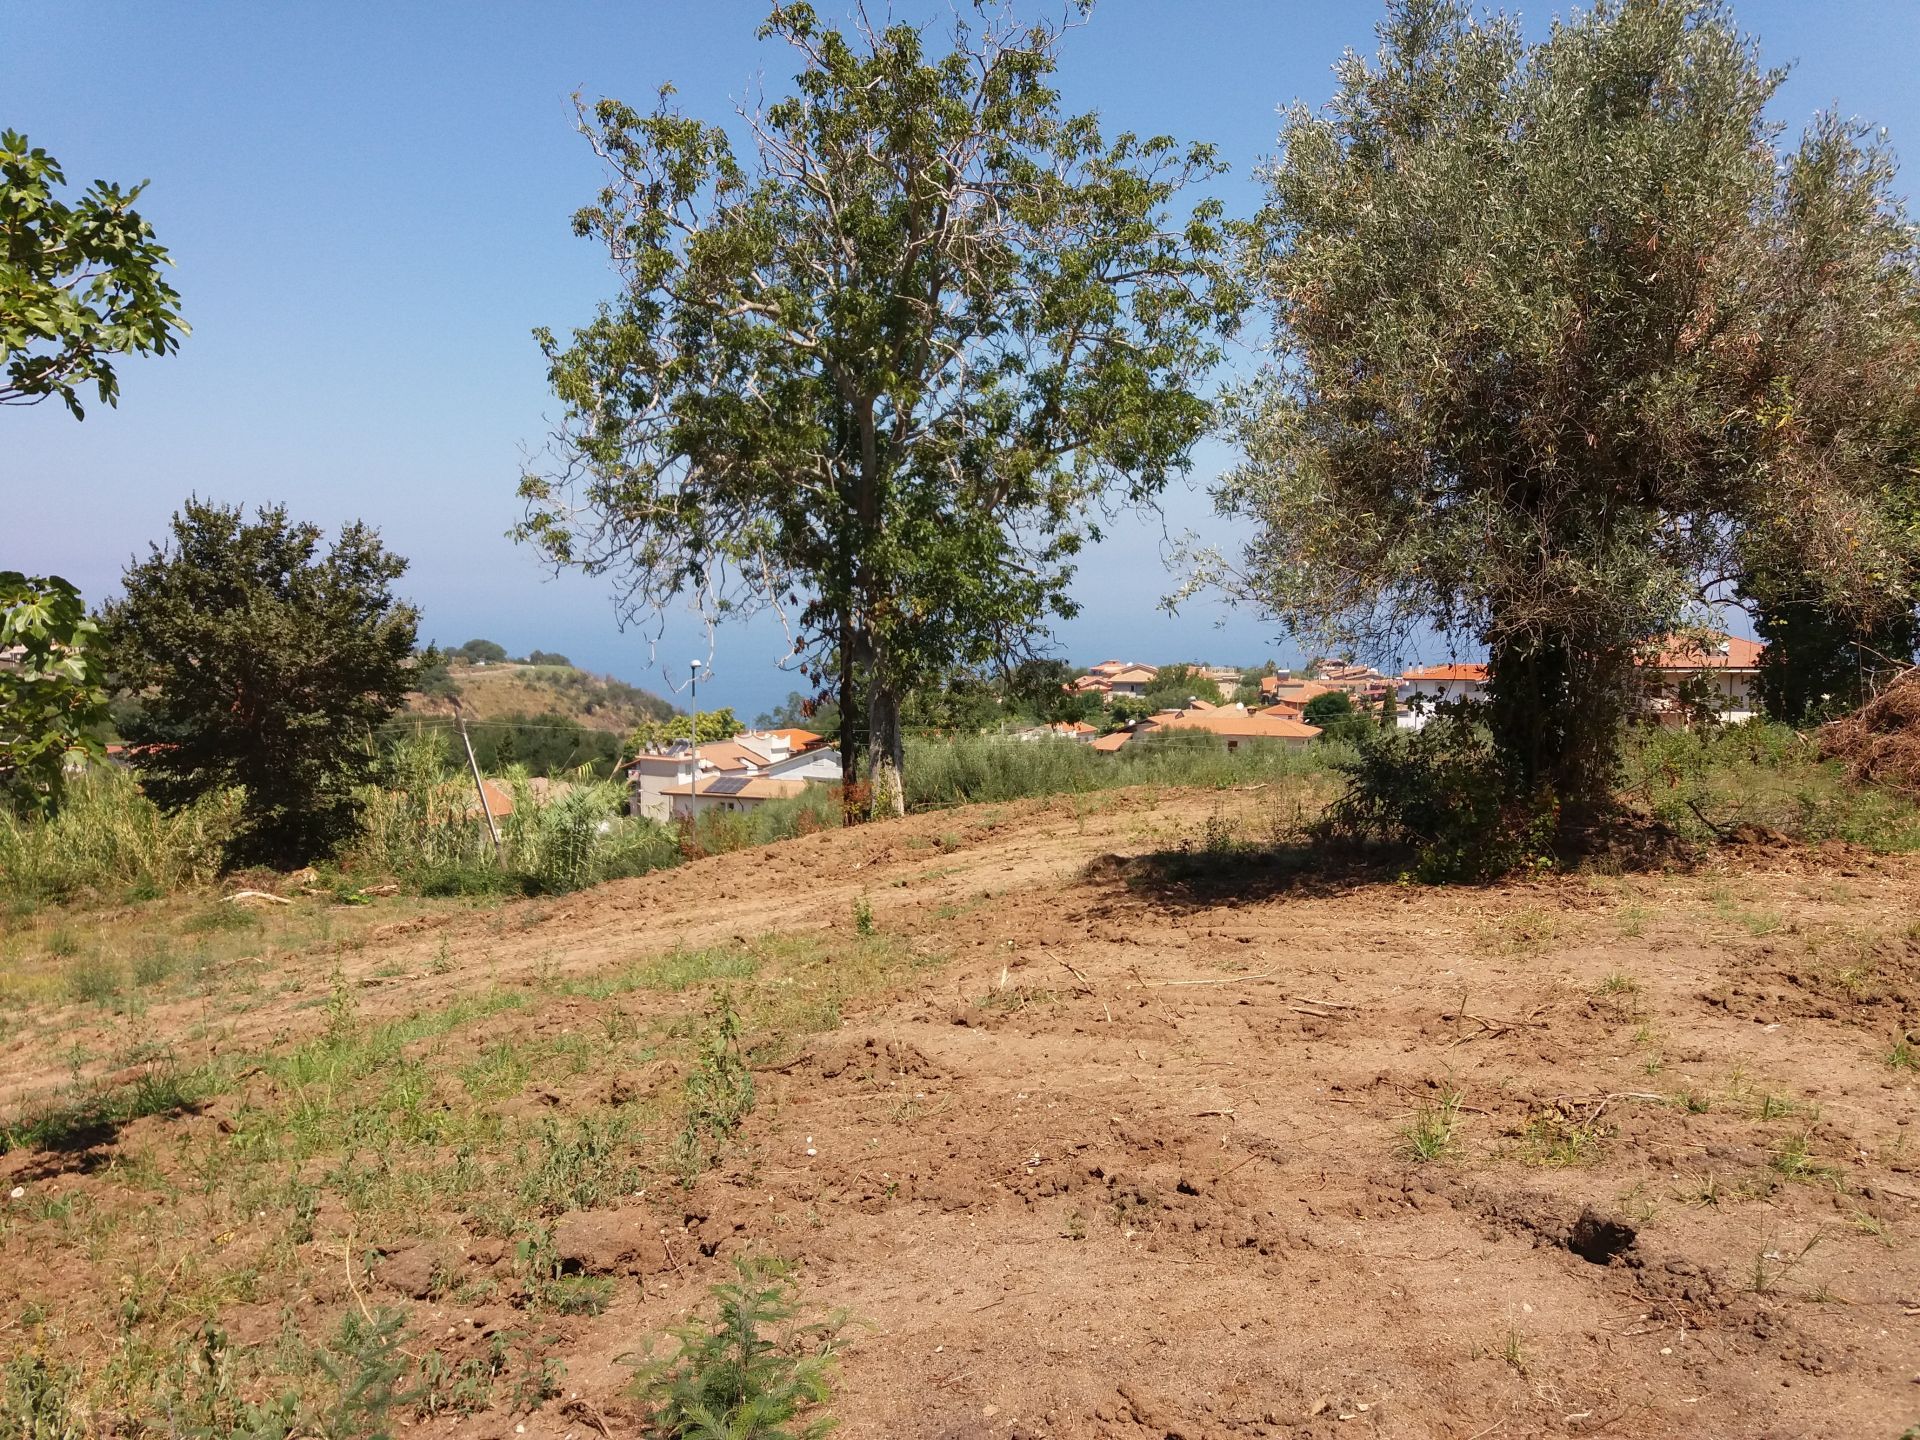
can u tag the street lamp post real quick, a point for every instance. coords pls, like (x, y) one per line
(693, 741)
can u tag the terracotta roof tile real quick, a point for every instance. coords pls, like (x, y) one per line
(1237, 724)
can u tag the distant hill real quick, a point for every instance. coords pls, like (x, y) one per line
(506, 688)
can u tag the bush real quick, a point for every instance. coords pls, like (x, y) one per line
(423, 826)
(1705, 783)
(1442, 792)
(718, 832)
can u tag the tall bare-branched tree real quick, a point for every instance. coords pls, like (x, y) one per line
(888, 374)
(1563, 340)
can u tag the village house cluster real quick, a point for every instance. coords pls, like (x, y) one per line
(1708, 672)
(677, 783)
(1684, 678)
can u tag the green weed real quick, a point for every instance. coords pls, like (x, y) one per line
(156, 1092)
(719, 1092)
(747, 1372)
(1432, 1134)
(94, 980)
(1793, 1159)
(1556, 1139)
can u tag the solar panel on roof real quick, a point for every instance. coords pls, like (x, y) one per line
(725, 785)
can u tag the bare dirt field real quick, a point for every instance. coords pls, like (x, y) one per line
(1097, 1119)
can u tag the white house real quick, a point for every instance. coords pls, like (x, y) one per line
(728, 792)
(1710, 669)
(1131, 683)
(785, 755)
(820, 766)
(1426, 686)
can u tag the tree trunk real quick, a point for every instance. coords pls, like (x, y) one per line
(852, 812)
(1556, 708)
(886, 752)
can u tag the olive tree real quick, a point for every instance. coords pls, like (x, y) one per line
(1561, 334)
(887, 372)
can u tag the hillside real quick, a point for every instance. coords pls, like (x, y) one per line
(599, 702)
(1097, 1120)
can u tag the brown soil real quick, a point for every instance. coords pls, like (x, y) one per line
(1131, 1159)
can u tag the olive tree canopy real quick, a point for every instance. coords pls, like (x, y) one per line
(1564, 341)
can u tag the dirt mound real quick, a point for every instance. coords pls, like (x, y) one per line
(1880, 742)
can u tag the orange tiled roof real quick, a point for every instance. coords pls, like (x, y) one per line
(1711, 651)
(1299, 691)
(1112, 742)
(799, 739)
(1472, 672)
(1236, 723)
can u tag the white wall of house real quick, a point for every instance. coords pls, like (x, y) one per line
(683, 806)
(647, 778)
(821, 764)
(1430, 693)
(1733, 690)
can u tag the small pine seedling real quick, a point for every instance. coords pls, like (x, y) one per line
(747, 1373)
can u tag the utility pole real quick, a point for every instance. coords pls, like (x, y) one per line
(473, 766)
(693, 741)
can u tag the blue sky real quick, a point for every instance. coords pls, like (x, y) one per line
(368, 204)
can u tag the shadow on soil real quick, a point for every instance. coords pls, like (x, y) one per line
(1203, 877)
(83, 1130)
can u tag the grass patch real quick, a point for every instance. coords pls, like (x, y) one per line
(1705, 782)
(1433, 1133)
(215, 918)
(683, 969)
(1529, 930)
(94, 980)
(1556, 1140)
(719, 1092)
(398, 1131)
(153, 966)
(1793, 1159)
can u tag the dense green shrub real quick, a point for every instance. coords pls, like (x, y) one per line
(1441, 791)
(1706, 783)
